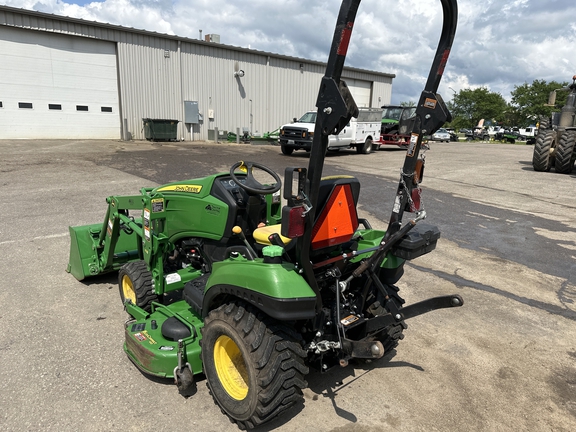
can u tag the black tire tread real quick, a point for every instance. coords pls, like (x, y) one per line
(141, 279)
(277, 355)
(541, 160)
(565, 152)
(365, 147)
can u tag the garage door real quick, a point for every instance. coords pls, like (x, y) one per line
(361, 91)
(57, 86)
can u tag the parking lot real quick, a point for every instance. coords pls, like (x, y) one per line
(506, 360)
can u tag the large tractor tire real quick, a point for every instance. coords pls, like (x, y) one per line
(135, 283)
(541, 158)
(254, 366)
(565, 152)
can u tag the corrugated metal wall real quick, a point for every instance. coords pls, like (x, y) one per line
(157, 73)
(149, 81)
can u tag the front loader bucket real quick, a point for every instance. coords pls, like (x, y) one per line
(83, 260)
(87, 259)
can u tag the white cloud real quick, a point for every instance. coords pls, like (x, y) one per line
(498, 44)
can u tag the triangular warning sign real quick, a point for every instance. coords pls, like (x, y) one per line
(337, 221)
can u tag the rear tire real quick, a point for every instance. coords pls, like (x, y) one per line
(135, 283)
(254, 366)
(287, 150)
(565, 152)
(541, 160)
(366, 147)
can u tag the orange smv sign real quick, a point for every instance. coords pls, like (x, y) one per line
(337, 221)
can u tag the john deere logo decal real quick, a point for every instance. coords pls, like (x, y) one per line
(212, 209)
(181, 188)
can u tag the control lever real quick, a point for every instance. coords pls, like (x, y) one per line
(275, 240)
(238, 231)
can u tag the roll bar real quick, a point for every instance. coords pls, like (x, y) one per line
(336, 106)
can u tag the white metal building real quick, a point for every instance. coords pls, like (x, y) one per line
(64, 78)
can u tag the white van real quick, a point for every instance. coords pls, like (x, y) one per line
(359, 133)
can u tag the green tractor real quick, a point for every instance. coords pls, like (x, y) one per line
(397, 119)
(220, 278)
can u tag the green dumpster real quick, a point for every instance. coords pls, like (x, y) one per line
(160, 129)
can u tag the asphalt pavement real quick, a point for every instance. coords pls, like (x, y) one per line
(505, 361)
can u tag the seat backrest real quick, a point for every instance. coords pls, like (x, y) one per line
(336, 219)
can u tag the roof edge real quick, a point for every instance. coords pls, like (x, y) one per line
(81, 21)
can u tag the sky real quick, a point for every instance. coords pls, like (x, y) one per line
(498, 44)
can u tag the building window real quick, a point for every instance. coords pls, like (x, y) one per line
(106, 109)
(26, 105)
(81, 107)
(54, 106)
(0, 104)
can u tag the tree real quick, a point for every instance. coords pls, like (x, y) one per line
(469, 106)
(408, 104)
(529, 100)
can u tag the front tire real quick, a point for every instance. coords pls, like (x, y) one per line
(254, 366)
(366, 147)
(565, 153)
(135, 284)
(287, 150)
(541, 160)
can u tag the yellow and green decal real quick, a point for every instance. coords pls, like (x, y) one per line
(181, 188)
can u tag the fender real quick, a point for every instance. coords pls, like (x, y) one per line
(277, 289)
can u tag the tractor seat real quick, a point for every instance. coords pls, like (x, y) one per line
(261, 235)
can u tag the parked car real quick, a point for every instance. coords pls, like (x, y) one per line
(441, 135)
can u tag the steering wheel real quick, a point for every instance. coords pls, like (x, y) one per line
(250, 184)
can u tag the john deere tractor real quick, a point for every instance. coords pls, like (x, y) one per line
(556, 138)
(253, 284)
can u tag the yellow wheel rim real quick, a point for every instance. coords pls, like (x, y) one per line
(231, 368)
(128, 289)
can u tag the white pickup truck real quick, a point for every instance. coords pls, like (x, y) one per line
(359, 133)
